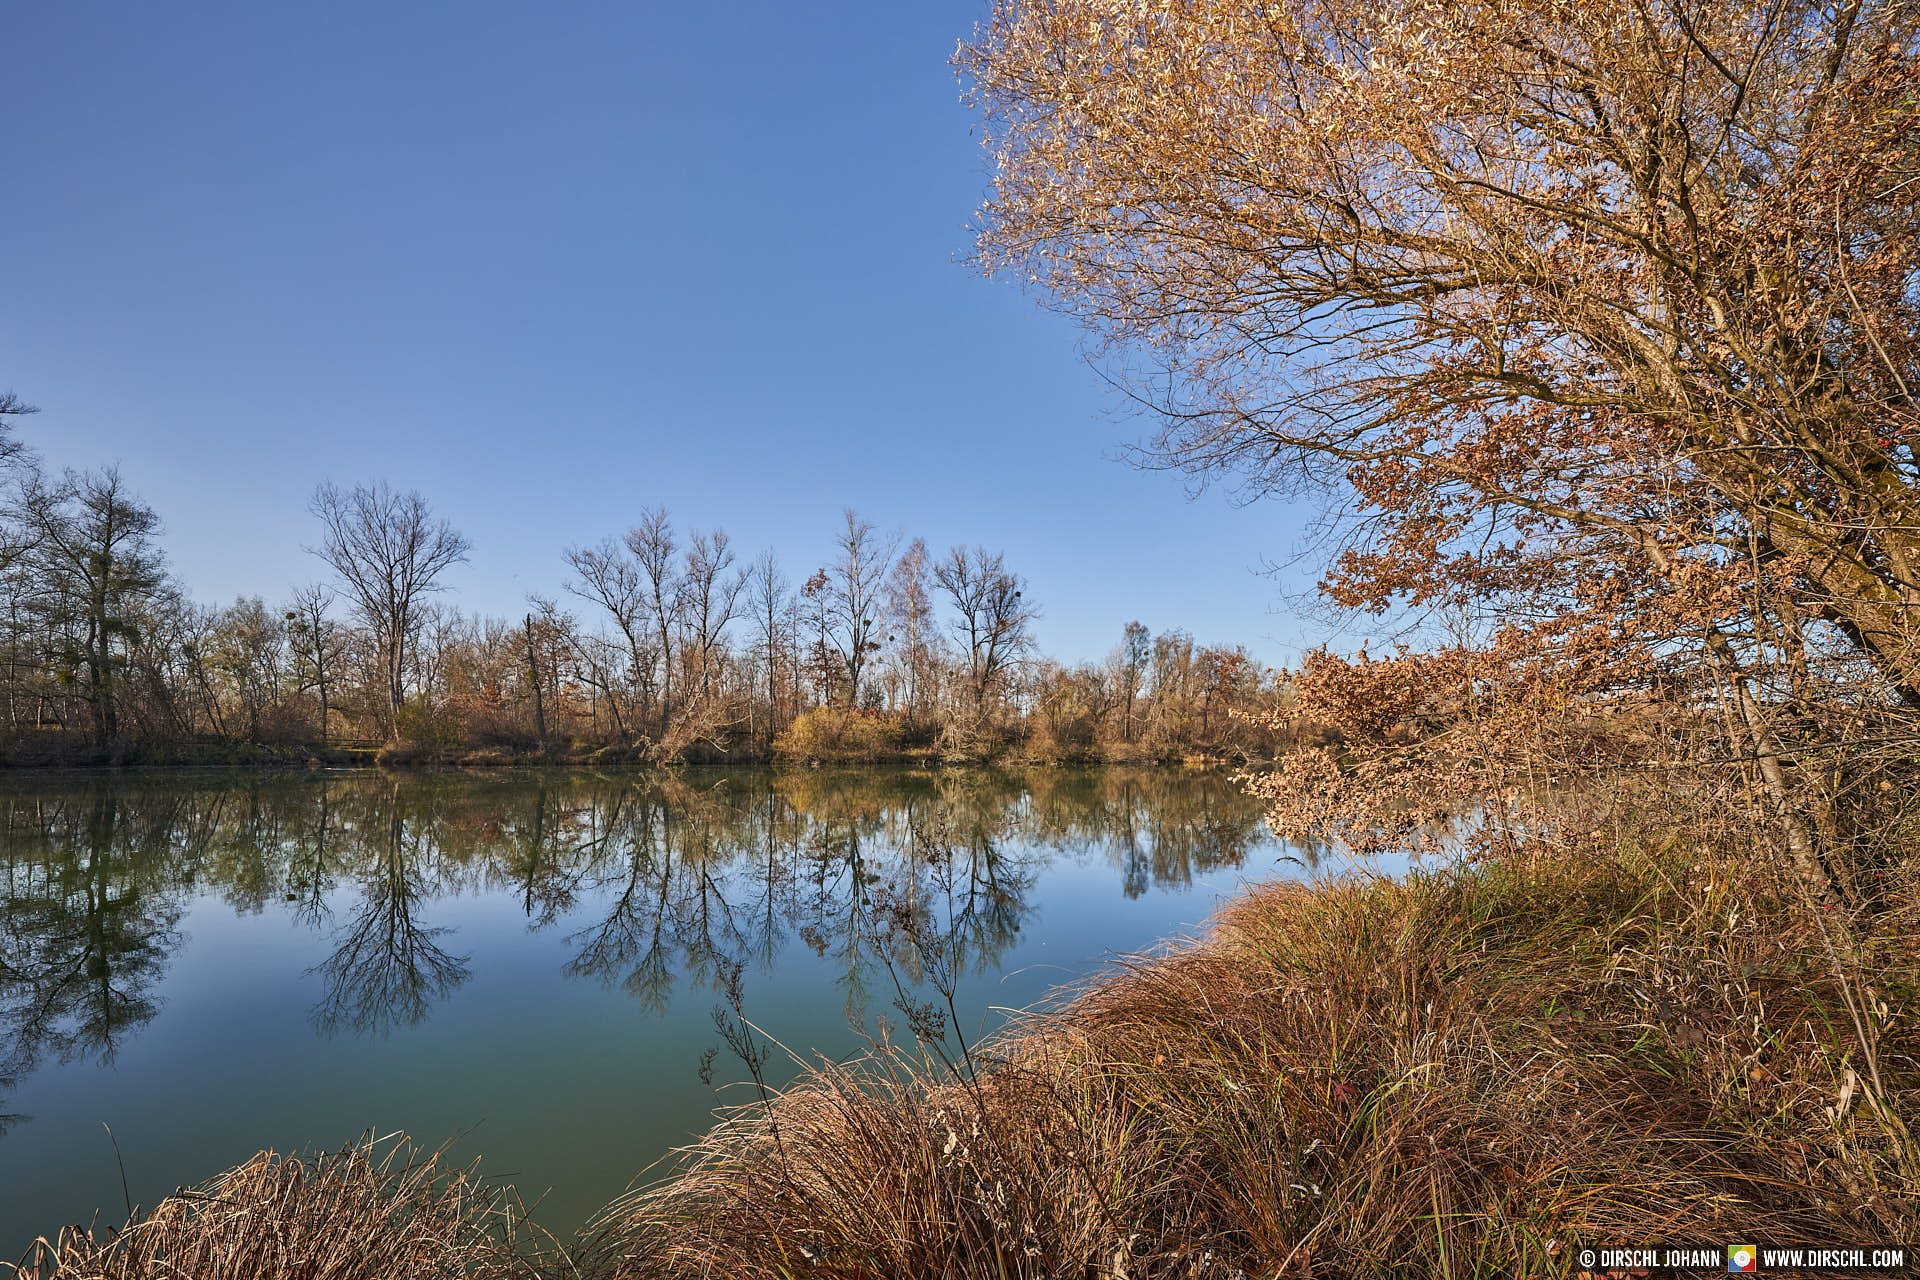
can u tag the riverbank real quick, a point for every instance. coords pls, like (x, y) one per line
(312, 755)
(1467, 1073)
(820, 736)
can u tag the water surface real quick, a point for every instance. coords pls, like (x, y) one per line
(210, 964)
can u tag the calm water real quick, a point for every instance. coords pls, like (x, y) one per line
(213, 964)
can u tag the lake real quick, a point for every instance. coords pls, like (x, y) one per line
(210, 964)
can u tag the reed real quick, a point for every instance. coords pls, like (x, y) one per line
(378, 1210)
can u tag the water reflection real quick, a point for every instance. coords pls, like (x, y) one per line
(92, 902)
(655, 885)
(387, 968)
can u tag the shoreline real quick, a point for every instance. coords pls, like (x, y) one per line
(299, 756)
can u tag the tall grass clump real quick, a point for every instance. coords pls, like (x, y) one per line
(378, 1210)
(1469, 1071)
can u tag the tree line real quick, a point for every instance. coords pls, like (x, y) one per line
(661, 643)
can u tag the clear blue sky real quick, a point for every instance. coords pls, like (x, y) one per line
(550, 264)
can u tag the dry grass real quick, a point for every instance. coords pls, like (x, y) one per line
(1457, 1075)
(376, 1211)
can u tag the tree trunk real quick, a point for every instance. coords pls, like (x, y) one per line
(533, 668)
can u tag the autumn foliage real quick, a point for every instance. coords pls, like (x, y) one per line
(1596, 324)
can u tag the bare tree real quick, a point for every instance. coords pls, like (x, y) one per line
(709, 595)
(593, 659)
(318, 647)
(13, 455)
(1130, 664)
(12, 406)
(196, 633)
(866, 558)
(1173, 684)
(443, 633)
(992, 618)
(251, 651)
(771, 601)
(389, 551)
(910, 625)
(607, 575)
(823, 666)
(652, 543)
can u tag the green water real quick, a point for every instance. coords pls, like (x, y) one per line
(212, 964)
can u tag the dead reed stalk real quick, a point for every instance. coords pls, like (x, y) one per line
(379, 1210)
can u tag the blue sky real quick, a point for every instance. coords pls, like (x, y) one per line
(550, 264)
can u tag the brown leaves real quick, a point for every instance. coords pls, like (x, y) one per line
(1592, 312)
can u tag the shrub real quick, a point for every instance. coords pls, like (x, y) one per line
(836, 734)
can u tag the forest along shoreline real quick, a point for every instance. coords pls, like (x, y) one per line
(670, 650)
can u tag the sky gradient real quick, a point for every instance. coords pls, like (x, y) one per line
(553, 264)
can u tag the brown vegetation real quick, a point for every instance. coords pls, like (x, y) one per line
(841, 735)
(1597, 325)
(381, 1210)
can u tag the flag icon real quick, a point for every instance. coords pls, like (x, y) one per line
(1742, 1257)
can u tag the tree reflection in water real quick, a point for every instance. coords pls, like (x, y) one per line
(92, 900)
(655, 883)
(386, 969)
